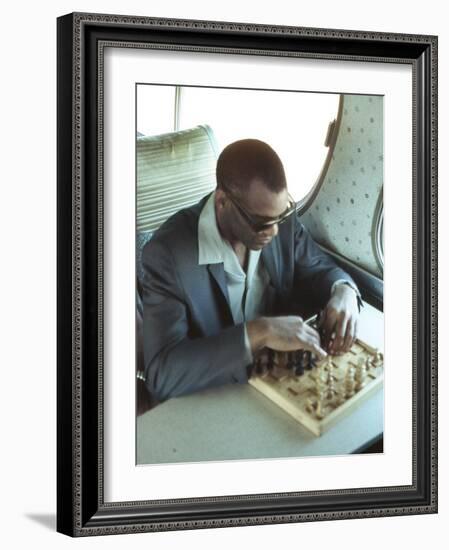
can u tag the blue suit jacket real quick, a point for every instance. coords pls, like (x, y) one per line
(189, 337)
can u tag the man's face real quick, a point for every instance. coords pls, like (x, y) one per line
(262, 206)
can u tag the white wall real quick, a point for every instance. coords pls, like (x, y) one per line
(27, 229)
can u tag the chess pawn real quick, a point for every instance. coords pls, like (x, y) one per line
(368, 365)
(331, 367)
(281, 359)
(299, 362)
(260, 367)
(319, 382)
(378, 359)
(331, 391)
(322, 371)
(299, 369)
(308, 360)
(319, 407)
(309, 405)
(350, 382)
(360, 375)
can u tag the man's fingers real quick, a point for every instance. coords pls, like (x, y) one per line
(312, 333)
(329, 321)
(340, 331)
(309, 338)
(318, 350)
(350, 335)
(321, 318)
(328, 327)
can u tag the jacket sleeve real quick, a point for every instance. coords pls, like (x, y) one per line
(315, 271)
(176, 363)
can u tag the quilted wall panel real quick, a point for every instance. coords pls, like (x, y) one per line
(344, 214)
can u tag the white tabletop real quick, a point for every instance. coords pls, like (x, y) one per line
(237, 422)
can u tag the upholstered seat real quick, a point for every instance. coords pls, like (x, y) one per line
(174, 171)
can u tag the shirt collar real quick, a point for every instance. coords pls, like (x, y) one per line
(213, 249)
(210, 243)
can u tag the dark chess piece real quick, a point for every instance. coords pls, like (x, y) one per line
(299, 369)
(299, 358)
(316, 324)
(270, 359)
(259, 368)
(259, 364)
(308, 360)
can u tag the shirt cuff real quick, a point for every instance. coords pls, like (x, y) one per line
(350, 284)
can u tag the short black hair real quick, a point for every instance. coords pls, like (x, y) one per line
(242, 161)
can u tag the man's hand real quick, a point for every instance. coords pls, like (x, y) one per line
(338, 321)
(284, 334)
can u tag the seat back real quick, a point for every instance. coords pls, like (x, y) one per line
(174, 171)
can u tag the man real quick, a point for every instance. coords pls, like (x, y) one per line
(224, 278)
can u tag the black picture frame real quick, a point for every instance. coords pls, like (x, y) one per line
(81, 510)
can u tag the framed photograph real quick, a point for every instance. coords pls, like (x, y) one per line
(247, 277)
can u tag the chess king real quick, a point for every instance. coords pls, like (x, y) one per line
(222, 277)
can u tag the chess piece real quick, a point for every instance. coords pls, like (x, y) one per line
(329, 366)
(333, 370)
(319, 413)
(378, 359)
(259, 368)
(308, 360)
(262, 367)
(320, 383)
(309, 405)
(299, 370)
(349, 382)
(360, 375)
(322, 371)
(331, 391)
(298, 358)
(368, 365)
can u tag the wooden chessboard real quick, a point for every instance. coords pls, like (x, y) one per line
(319, 394)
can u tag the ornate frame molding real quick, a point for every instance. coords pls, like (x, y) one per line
(81, 507)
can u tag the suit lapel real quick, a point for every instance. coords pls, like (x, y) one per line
(271, 255)
(217, 272)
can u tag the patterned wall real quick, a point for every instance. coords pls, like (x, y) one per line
(345, 212)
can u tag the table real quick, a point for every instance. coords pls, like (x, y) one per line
(237, 422)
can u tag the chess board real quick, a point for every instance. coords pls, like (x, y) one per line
(318, 393)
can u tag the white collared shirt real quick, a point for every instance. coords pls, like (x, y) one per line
(246, 291)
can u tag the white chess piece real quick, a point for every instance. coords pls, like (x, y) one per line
(350, 382)
(360, 375)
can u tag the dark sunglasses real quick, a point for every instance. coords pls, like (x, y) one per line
(258, 226)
